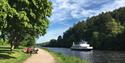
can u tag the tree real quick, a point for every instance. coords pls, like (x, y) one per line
(28, 41)
(104, 31)
(22, 17)
(59, 41)
(114, 27)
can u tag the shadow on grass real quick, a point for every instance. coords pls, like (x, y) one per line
(1, 47)
(4, 56)
(5, 51)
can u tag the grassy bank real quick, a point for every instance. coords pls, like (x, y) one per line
(15, 56)
(60, 58)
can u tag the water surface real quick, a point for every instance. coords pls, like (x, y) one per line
(94, 56)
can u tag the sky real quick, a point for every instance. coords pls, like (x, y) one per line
(66, 13)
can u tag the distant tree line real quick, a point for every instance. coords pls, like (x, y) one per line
(104, 31)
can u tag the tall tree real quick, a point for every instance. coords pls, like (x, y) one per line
(21, 17)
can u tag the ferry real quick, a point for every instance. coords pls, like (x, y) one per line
(83, 45)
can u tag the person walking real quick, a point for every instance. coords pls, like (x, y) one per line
(29, 50)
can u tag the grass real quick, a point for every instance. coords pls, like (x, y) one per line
(15, 56)
(60, 58)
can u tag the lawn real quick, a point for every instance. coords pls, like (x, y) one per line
(15, 56)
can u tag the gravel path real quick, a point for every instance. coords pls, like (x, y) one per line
(42, 57)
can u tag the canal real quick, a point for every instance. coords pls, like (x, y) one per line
(94, 56)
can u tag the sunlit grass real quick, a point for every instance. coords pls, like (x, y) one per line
(15, 56)
(60, 58)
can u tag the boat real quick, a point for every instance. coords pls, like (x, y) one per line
(83, 45)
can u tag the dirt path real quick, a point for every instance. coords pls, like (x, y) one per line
(42, 57)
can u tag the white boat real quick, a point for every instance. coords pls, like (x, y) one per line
(82, 46)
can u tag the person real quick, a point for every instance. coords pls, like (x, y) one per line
(29, 50)
(37, 50)
(25, 50)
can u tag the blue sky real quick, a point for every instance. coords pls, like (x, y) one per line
(66, 13)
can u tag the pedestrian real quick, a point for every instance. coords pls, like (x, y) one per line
(36, 50)
(31, 50)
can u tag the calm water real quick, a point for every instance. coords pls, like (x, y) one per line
(94, 56)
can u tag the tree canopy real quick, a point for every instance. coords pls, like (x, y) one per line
(19, 18)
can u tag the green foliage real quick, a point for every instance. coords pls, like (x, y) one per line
(28, 41)
(68, 59)
(2, 42)
(104, 31)
(60, 58)
(114, 27)
(19, 18)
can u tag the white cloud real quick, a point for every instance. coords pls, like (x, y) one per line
(62, 9)
(112, 6)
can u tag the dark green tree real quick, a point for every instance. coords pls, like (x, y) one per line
(22, 17)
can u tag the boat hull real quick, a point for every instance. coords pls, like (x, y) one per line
(81, 49)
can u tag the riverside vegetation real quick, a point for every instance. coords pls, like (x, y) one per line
(60, 58)
(105, 31)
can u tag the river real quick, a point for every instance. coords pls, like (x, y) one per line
(94, 56)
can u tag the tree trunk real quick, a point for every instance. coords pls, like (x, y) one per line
(16, 42)
(16, 45)
(12, 46)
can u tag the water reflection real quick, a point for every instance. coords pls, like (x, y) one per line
(95, 56)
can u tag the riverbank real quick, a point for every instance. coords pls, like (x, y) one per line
(15, 56)
(60, 58)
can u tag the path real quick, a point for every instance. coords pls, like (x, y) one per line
(42, 57)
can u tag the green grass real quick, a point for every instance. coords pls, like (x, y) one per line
(15, 56)
(60, 58)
